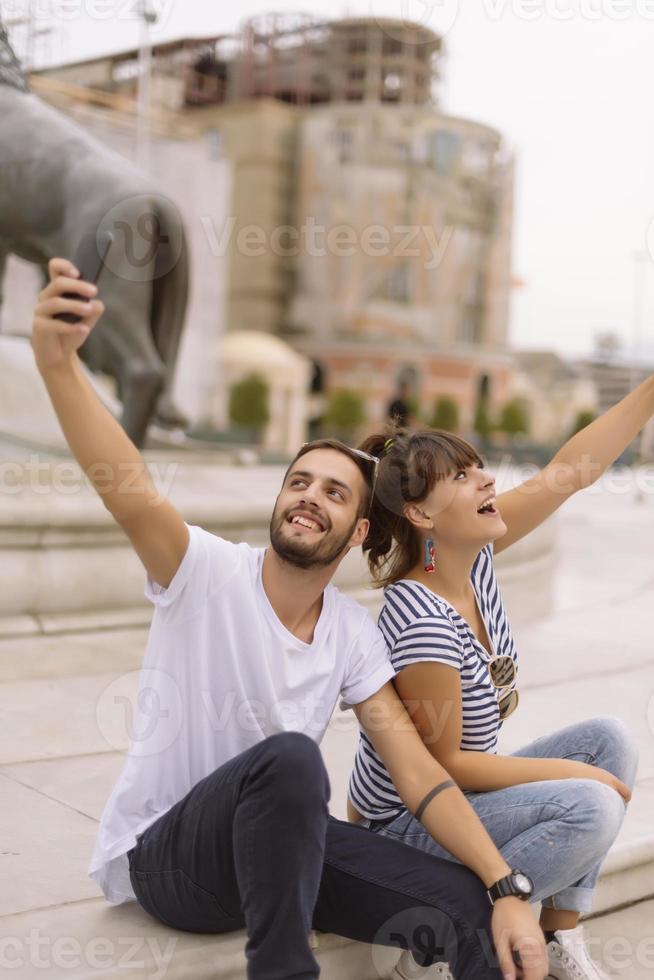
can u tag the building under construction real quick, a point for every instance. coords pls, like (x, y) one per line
(339, 124)
(293, 58)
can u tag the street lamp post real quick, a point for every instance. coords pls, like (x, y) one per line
(641, 258)
(147, 16)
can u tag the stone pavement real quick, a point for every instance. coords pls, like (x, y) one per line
(61, 750)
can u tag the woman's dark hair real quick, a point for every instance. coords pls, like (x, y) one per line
(366, 467)
(411, 465)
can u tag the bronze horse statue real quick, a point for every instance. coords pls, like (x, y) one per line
(57, 184)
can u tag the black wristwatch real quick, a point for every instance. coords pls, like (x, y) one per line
(517, 883)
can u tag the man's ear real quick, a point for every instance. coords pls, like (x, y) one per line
(416, 516)
(360, 533)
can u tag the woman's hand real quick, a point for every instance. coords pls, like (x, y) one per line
(55, 341)
(583, 770)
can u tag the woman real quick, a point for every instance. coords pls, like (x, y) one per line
(555, 807)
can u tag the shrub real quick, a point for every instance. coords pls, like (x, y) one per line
(514, 419)
(482, 423)
(583, 419)
(345, 412)
(248, 403)
(446, 415)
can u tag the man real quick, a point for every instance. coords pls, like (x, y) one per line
(399, 410)
(219, 819)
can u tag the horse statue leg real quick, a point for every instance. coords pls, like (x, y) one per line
(169, 305)
(121, 344)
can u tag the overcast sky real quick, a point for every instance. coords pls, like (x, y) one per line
(570, 83)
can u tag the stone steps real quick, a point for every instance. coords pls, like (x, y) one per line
(67, 566)
(90, 939)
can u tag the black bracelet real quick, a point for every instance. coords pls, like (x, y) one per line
(432, 793)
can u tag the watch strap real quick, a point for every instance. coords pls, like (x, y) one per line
(505, 887)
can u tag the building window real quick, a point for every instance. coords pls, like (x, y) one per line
(215, 143)
(343, 139)
(475, 158)
(467, 330)
(392, 81)
(397, 284)
(443, 150)
(402, 150)
(123, 70)
(392, 46)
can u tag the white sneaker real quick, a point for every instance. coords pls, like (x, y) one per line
(406, 968)
(569, 957)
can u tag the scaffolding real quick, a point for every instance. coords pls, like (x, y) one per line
(30, 30)
(294, 58)
(299, 59)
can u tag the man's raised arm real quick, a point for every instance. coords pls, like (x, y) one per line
(100, 445)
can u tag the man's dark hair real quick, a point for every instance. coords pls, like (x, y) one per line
(366, 467)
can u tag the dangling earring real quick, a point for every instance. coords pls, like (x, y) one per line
(430, 555)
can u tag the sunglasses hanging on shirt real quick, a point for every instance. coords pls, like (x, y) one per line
(503, 672)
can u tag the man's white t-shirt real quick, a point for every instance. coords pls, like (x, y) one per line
(220, 673)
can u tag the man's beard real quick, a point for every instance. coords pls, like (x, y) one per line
(300, 553)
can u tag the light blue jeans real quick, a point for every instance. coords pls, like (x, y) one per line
(557, 831)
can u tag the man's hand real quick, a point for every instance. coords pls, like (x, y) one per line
(55, 341)
(515, 930)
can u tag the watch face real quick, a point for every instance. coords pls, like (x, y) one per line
(523, 884)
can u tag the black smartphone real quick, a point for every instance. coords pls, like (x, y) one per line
(89, 259)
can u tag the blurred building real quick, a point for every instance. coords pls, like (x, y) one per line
(360, 222)
(405, 267)
(554, 393)
(614, 377)
(288, 57)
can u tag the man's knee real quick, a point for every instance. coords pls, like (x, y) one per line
(298, 763)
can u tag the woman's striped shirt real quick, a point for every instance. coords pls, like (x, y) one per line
(419, 625)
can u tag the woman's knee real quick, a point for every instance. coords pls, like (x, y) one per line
(599, 810)
(616, 750)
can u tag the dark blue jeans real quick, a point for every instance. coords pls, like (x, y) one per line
(253, 846)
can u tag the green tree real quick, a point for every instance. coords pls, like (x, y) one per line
(248, 403)
(514, 419)
(345, 412)
(446, 415)
(583, 419)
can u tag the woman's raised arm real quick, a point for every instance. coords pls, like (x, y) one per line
(577, 465)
